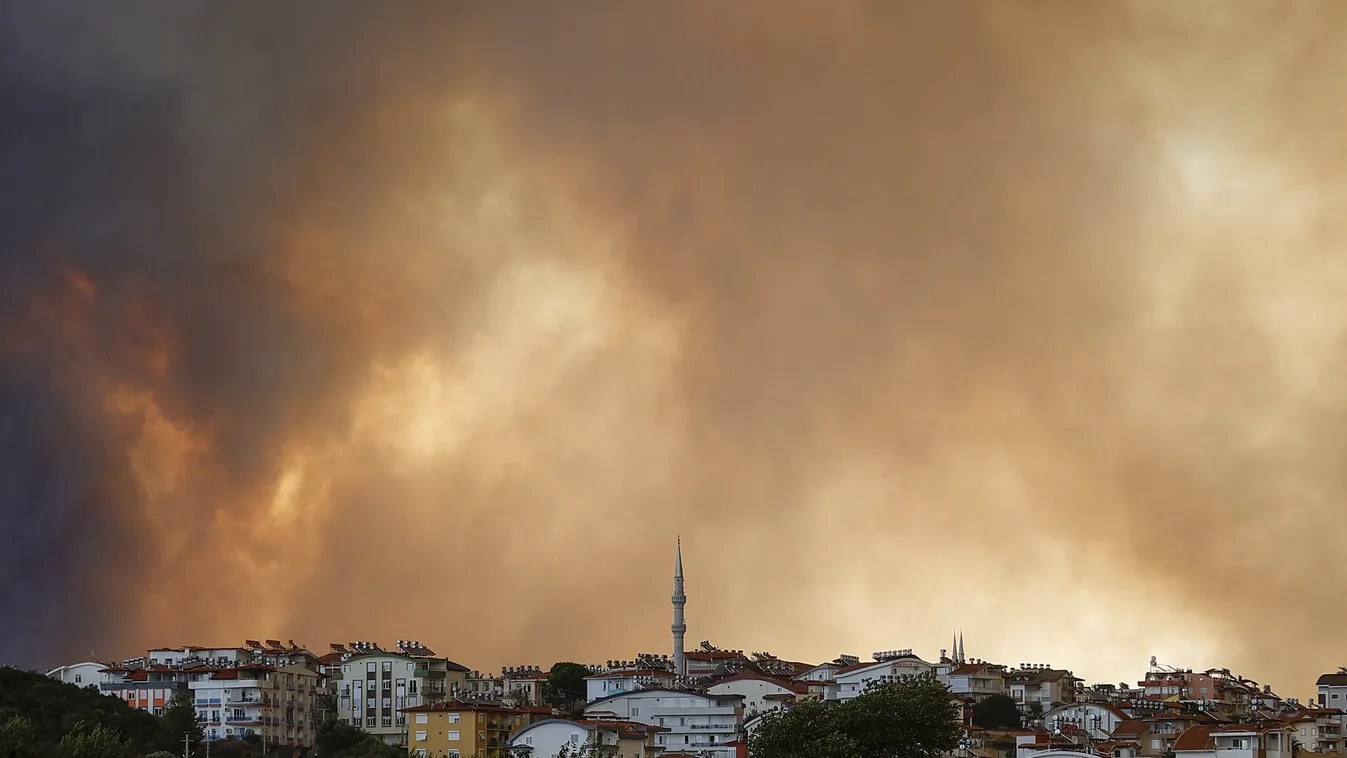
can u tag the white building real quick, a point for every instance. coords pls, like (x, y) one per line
(88, 673)
(615, 681)
(760, 693)
(544, 739)
(274, 704)
(190, 654)
(373, 686)
(889, 666)
(824, 672)
(1235, 741)
(976, 679)
(1333, 690)
(704, 724)
(1042, 684)
(1097, 720)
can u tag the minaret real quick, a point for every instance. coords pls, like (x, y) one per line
(961, 658)
(954, 647)
(679, 626)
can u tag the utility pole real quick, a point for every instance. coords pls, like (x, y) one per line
(187, 745)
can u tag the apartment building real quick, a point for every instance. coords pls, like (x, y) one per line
(888, 666)
(1042, 684)
(148, 689)
(516, 686)
(1235, 741)
(459, 729)
(706, 724)
(976, 679)
(625, 676)
(373, 687)
(84, 674)
(256, 699)
(760, 693)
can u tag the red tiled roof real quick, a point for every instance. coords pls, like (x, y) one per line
(1130, 728)
(969, 669)
(1194, 738)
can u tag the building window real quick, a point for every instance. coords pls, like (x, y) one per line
(453, 718)
(369, 722)
(370, 667)
(422, 718)
(411, 666)
(388, 665)
(420, 752)
(451, 735)
(78, 679)
(387, 721)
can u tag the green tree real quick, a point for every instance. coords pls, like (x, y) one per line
(1035, 710)
(337, 740)
(18, 738)
(997, 712)
(179, 721)
(566, 683)
(54, 708)
(97, 741)
(910, 719)
(807, 730)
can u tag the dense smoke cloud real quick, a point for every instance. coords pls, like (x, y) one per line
(440, 322)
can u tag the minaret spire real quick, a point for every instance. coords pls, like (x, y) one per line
(961, 658)
(680, 626)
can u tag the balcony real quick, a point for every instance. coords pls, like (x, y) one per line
(208, 701)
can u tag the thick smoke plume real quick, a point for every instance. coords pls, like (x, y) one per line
(438, 320)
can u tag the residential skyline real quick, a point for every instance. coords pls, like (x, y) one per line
(1024, 319)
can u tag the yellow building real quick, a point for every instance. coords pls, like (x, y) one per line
(459, 729)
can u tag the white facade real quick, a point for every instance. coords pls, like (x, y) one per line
(82, 674)
(824, 672)
(617, 682)
(1096, 719)
(230, 656)
(696, 723)
(373, 688)
(852, 681)
(545, 739)
(1241, 742)
(976, 680)
(754, 689)
(276, 705)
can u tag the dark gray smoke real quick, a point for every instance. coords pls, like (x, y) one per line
(440, 320)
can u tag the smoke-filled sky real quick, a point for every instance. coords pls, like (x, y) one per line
(440, 320)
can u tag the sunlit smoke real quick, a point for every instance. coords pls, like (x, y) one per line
(440, 322)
